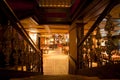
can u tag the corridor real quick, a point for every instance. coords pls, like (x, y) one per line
(55, 62)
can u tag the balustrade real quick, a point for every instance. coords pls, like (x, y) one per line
(16, 53)
(17, 49)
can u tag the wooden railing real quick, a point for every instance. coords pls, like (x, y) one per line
(21, 52)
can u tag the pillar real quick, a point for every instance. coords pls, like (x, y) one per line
(76, 34)
(80, 35)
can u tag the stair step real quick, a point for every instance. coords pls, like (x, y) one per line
(58, 77)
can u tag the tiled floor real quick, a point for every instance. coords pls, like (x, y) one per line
(55, 62)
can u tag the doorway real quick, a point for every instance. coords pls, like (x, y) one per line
(55, 54)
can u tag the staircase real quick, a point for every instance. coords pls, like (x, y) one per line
(58, 77)
(23, 75)
(108, 72)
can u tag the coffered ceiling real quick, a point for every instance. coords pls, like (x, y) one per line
(55, 3)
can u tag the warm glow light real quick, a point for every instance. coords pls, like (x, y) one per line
(33, 36)
(51, 39)
(47, 29)
(33, 20)
(32, 30)
(103, 43)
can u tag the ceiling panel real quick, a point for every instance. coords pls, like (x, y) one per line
(30, 25)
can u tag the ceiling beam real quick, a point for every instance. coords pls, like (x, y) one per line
(80, 8)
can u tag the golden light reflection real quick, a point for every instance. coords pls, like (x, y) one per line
(33, 37)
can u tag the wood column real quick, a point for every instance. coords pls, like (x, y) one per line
(72, 49)
(76, 32)
(80, 35)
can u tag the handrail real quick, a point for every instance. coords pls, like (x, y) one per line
(16, 23)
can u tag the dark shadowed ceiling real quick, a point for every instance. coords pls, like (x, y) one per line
(56, 14)
(43, 11)
(36, 14)
(48, 11)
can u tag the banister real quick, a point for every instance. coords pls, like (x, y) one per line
(16, 23)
